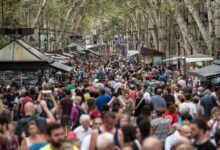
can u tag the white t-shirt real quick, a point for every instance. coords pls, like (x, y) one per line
(116, 86)
(86, 143)
(112, 83)
(81, 133)
(170, 140)
(146, 96)
(190, 106)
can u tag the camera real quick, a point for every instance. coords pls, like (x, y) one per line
(46, 94)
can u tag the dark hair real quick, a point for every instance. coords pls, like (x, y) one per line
(7, 114)
(200, 123)
(129, 132)
(102, 91)
(108, 115)
(4, 119)
(115, 108)
(146, 110)
(186, 117)
(86, 90)
(92, 93)
(187, 96)
(159, 91)
(119, 92)
(145, 128)
(116, 104)
(140, 118)
(67, 92)
(27, 93)
(32, 123)
(51, 127)
(105, 108)
(145, 86)
(160, 111)
(32, 91)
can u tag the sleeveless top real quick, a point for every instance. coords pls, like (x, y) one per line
(28, 141)
(213, 128)
(116, 140)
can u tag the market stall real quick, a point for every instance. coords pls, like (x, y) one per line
(209, 72)
(190, 62)
(20, 58)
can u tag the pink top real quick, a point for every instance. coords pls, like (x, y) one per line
(133, 95)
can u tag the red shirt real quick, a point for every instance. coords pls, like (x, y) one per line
(24, 101)
(173, 117)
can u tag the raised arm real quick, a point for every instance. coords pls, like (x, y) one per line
(50, 117)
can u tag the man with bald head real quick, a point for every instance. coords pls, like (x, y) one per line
(185, 131)
(151, 143)
(29, 111)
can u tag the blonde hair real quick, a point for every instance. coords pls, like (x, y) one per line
(214, 110)
(84, 118)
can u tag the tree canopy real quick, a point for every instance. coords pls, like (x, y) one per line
(165, 25)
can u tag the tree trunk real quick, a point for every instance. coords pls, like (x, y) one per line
(39, 13)
(217, 1)
(187, 37)
(153, 13)
(211, 31)
(73, 10)
(155, 22)
(200, 25)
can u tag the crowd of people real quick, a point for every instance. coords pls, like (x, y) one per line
(111, 104)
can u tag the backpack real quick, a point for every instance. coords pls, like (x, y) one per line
(81, 112)
(22, 126)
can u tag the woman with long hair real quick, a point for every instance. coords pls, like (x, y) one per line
(35, 139)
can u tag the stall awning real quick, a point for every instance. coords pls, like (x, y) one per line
(68, 55)
(74, 53)
(79, 48)
(150, 52)
(171, 59)
(211, 71)
(61, 67)
(92, 52)
(90, 46)
(62, 56)
(132, 53)
(188, 59)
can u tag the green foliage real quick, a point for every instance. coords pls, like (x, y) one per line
(107, 17)
(4, 40)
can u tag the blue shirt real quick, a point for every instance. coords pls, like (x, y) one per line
(37, 146)
(101, 100)
(158, 102)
